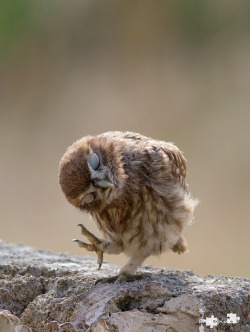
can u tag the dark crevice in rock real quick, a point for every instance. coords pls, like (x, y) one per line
(128, 303)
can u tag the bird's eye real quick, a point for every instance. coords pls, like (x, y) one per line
(93, 161)
(87, 199)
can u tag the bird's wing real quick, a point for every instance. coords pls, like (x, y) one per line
(177, 161)
(175, 156)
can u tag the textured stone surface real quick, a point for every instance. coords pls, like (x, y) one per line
(44, 291)
(11, 323)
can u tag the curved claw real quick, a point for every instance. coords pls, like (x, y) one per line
(96, 245)
(107, 280)
(99, 258)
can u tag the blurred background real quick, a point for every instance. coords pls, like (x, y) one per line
(174, 70)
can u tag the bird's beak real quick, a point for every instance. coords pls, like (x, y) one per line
(104, 184)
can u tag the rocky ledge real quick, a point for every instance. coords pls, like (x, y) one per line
(45, 291)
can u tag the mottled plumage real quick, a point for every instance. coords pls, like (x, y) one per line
(134, 188)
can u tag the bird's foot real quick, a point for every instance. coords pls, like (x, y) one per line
(120, 278)
(96, 245)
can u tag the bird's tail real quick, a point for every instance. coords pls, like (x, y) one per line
(181, 246)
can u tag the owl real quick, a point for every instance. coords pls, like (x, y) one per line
(134, 188)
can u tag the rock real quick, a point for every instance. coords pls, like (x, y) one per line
(11, 323)
(45, 291)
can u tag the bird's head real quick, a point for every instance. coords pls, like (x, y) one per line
(91, 173)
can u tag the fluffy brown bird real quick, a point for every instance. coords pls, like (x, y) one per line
(134, 188)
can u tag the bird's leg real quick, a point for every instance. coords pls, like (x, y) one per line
(96, 245)
(127, 272)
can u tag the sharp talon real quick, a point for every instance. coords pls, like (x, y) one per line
(147, 276)
(108, 280)
(96, 245)
(100, 258)
(98, 280)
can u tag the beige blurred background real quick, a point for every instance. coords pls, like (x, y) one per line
(174, 70)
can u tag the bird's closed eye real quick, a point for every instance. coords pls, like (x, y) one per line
(87, 199)
(93, 161)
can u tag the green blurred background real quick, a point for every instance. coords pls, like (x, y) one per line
(174, 70)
